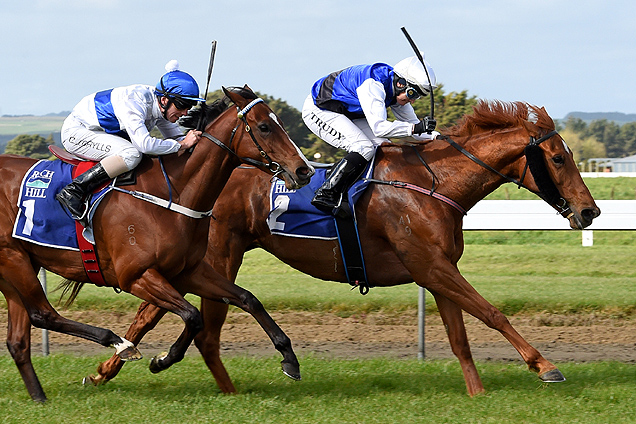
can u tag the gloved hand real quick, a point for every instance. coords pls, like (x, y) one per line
(427, 125)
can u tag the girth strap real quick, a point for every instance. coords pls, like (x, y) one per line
(87, 250)
(351, 252)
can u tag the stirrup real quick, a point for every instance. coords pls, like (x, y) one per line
(65, 206)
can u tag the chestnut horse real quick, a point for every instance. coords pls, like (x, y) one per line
(406, 235)
(164, 260)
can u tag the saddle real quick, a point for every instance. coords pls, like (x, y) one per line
(127, 178)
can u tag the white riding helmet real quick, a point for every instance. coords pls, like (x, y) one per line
(413, 72)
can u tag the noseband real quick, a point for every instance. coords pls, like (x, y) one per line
(273, 167)
(547, 189)
(534, 160)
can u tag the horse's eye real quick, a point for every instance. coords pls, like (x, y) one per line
(263, 128)
(558, 160)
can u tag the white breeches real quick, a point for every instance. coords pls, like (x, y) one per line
(96, 144)
(340, 131)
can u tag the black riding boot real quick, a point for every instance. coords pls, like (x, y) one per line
(329, 196)
(72, 196)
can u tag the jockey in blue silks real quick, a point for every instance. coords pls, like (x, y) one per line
(348, 110)
(113, 127)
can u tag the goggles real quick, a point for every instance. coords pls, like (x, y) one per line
(414, 93)
(182, 104)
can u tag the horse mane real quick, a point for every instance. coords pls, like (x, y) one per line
(497, 115)
(209, 113)
(212, 111)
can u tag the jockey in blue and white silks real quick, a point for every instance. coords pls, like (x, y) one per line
(348, 110)
(113, 127)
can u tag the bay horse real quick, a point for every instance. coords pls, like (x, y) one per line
(407, 235)
(163, 261)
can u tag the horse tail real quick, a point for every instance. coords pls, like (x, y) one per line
(72, 288)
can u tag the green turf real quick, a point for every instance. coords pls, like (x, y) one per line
(332, 391)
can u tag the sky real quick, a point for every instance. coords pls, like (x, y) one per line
(567, 56)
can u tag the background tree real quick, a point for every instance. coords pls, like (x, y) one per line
(607, 133)
(31, 145)
(627, 137)
(449, 108)
(583, 148)
(576, 125)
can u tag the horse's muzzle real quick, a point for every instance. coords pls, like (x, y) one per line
(300, 177)
(579, 221)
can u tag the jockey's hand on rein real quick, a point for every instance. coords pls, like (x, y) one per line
(427, 124)
(190, 139)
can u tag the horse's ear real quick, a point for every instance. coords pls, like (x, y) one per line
(234, 95)
(247, 87)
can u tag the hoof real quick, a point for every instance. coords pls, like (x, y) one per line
(93, 380)
(552, 376)
(130, 354)
(154, 366)
(127, 351)
(291, 370)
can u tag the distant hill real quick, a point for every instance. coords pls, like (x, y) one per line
(12, 126)
(618, 117)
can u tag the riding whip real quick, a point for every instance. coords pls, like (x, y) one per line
(419, 56)
(207, 85)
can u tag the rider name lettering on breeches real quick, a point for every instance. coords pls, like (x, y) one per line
(341, 132)
(97, 145)
(89, 144)
(325, 128)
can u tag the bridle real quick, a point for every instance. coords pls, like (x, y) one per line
(272, 166)
(534, 160)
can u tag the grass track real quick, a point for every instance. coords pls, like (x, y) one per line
(335, 391)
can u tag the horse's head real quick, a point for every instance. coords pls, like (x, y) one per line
(528, 152)
(554, 174)
(264, 139)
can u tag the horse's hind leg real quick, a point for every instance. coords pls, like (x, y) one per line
(454, 322)
(16, 270)
(146, 319)
(19, 342)
(208, 341)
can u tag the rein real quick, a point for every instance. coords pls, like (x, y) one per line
(534, 160)
(400, 184)
(272, 166)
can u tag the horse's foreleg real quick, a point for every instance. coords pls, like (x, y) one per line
(444, 278)
(155, 289)
(19, 342)
(208, 341)
(454, 322)
(209, 284)
(146, 319)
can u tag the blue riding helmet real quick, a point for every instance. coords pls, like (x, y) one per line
(176, 84)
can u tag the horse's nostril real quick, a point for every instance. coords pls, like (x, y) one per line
(590, 213)
(304, 172)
